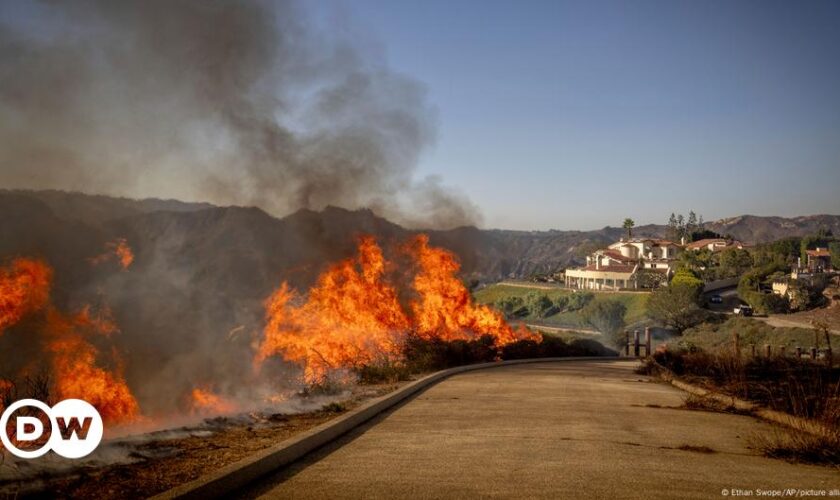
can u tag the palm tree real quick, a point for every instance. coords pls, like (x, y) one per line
(628, 225)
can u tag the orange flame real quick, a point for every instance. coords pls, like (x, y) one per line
(118, 249)
(445, 309)
(74, 357)
(24, 288)
(352, 315)
(75, 366)
(205, 401)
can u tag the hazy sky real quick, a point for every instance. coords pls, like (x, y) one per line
(576, 114)
(543, 114)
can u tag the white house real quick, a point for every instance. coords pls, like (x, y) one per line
(620, 265)
(714, 244)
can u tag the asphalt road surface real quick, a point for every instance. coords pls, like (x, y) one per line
(590, 429)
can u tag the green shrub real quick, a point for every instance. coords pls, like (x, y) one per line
(578, 300)
(512, 306)
(765, 303)
(538, 304)
(606, 316)
(677, 307)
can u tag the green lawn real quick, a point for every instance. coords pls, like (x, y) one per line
(634, 302)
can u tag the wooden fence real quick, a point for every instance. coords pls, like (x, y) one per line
(768, 350)
(636, 343)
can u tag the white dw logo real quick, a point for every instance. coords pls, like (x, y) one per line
(75, 428)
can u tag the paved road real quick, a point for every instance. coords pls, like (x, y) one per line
(549, 430)
(780, 320)
(562, 329)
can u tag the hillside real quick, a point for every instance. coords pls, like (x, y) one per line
(755, 229)
(225, 238)
(201, 273)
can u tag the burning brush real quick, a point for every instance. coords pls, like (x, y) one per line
(353, 315)
(360, 312)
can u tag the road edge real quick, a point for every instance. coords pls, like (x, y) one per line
(238, 474)
(754, 409)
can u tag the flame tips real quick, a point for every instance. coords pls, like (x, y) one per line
(353, 315)
(25, 289)
(117, 250)
(203, 401)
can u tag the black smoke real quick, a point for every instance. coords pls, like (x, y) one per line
(248, 103)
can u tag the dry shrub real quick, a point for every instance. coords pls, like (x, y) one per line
(796, 386)
(707, 403)
(799, 446)
(799, 387)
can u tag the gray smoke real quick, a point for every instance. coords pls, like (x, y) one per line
(247, 103)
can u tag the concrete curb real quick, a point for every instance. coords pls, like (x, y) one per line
(790, 421)
(238, 474)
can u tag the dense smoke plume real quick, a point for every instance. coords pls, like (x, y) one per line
(248, 103)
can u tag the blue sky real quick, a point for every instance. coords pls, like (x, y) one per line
(576, 114)
(549, 114)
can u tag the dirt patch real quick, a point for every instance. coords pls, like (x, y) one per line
(828, 315)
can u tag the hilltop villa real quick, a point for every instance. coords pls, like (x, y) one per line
(714, 244)
(622, 264)
(819, 260)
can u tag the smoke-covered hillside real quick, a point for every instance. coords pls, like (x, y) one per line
(200, 273)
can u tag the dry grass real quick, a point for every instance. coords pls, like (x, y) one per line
(799, 447)
(802, 388)
(706, 403)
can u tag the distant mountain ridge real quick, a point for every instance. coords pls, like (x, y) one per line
(306, 239)
(202, 272)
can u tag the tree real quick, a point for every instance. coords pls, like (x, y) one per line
(579, 300)
(784, 251)
(561, 302)
(734, 262)
(749, 289)
(676, 307)
(680, 226)
(628, 225)
(698, 261)
(691, 225)
(606, 316)
(702, 234)
(538, 304)
(648, 278)
(671, 232)
(685, 278)
(511, 306)
(834, 248)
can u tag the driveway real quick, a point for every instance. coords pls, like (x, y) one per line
(590, 429)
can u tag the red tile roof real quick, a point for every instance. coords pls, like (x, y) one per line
(708, 241)
(702, 243)
(615, 254)
(665, 243)
(821, 252)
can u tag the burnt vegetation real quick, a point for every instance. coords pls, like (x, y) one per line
(427, 355)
